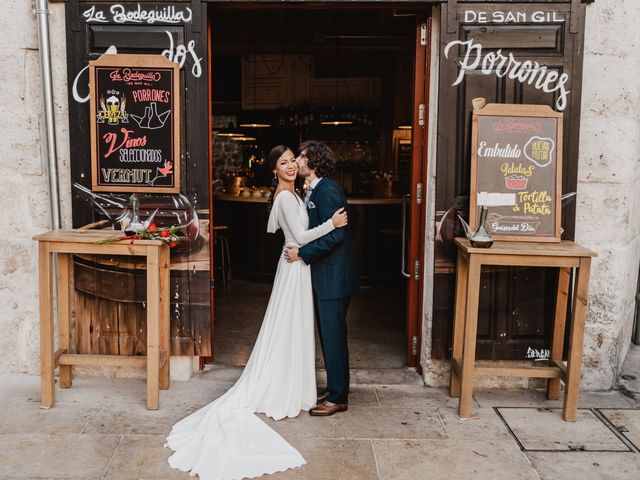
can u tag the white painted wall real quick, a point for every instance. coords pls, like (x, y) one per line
(608, 208)
(23, 171)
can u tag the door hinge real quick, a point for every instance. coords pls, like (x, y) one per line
(421, 110)
(212, 282)
(423, 34)
(414, 345)
(419, 193)
(416, 270)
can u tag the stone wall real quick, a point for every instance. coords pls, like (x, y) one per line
(608, 218)
(23, 169)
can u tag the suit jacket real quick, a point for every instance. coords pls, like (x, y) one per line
(331, 257)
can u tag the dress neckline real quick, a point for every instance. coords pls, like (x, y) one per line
(297, 197)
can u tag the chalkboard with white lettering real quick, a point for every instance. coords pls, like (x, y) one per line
(135, 115)
(517, 149)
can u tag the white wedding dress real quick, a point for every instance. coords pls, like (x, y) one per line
(225, 440)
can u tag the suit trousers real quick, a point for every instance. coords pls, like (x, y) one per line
(331, 316)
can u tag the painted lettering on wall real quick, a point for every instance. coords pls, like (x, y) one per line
(126, 175)
(176, 53)
(180, 54)
(496, 63)
(119, 13)
(537, 354)
(501, 16)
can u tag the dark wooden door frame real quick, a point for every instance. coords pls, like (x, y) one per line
(417, 222)
(417, 218)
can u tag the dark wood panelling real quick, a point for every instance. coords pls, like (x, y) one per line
(523, 39)
(129, 39)
(516, 305)
(113, 304)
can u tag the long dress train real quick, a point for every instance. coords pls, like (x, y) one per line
(224, 440)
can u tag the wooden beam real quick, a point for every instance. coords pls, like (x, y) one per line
(535, 372)
(56, 356)
(559, 365)
(103, 360)
(45, 269)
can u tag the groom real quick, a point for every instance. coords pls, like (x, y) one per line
(332, 272)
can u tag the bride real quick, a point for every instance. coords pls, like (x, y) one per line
(224, 440)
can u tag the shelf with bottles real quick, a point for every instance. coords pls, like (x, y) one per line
(306, 117)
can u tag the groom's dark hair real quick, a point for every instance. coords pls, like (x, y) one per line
(319, 157)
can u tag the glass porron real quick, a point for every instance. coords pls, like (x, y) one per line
(164, 210)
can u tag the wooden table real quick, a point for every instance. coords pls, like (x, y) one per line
(65, 243)
(565, 256)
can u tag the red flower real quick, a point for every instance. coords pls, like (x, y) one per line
(152, 227)
(172, 244)
(165, 233)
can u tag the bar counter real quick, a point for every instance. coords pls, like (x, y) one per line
(375, 223)
(350, 200)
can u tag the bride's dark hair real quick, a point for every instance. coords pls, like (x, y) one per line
(275, 153)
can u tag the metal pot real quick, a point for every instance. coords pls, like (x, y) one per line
(232, 185)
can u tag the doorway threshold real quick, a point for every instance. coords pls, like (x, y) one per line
(225, 373)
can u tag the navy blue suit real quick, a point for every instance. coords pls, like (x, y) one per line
(334, 281)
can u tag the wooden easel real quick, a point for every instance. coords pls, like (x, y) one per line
(65, 243)
(565, 256)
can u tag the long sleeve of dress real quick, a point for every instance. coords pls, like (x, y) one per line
(290, 220)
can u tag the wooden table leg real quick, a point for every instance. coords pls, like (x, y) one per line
(470, 333)
(153, 327)
(47, 382)
(559, 322)
(462, 270)
(163, 318)
(64, 314)
(576, 337)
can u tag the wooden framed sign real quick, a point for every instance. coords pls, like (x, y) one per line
(517, 149)
(135, 124)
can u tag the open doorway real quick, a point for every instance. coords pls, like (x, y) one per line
(282, 76)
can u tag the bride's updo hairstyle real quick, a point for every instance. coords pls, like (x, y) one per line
(275, 153)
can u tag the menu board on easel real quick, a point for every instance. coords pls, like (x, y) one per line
(518, 149)
(135, 129)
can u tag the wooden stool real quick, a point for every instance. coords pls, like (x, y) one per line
(67, 242)
(222, 243)
(564, 255)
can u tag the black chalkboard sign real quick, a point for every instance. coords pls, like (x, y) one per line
(135, 115)
(517, 149)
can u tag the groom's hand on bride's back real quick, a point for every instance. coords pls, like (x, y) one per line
(291, 253)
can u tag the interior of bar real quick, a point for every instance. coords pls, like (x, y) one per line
(341, 76)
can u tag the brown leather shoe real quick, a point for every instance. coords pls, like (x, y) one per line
(327, 408)
(322, 397)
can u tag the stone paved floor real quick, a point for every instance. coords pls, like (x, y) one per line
(100, 429)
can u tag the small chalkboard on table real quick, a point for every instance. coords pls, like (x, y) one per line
(518, 149)
(135, 124)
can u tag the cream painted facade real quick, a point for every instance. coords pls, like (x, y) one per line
(608, 198)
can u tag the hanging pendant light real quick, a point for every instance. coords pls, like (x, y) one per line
(255, 124)
(243, 139)
(229, 131)
(230, 134)
(335, 119)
